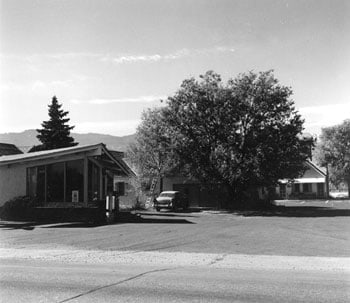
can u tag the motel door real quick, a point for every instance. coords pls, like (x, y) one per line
(320, 190)
(283, 191)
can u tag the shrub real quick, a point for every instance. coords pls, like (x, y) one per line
(18, 208)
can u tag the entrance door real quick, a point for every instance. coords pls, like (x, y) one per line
(320, 190)
(283, 191)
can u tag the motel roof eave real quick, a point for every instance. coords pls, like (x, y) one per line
(303, 180)
(41, 155)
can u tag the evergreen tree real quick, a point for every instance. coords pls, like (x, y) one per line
(55, 132)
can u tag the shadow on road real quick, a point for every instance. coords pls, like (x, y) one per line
(18, 225)
(46, 224)
(123, 218)
(296, 211)
(138, 220)
(166, 214)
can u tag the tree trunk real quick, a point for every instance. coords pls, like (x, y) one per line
(160, 184)
(234, 197)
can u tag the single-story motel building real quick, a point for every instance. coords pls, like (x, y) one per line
(311, 185)
(79, 176)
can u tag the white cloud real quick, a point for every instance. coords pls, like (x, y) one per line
(39, 86)
(141, 99)
(182, 53)
(120, 59)
(130, 59)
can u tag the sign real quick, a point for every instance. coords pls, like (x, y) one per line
(75, 196)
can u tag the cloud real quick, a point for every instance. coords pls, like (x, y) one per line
(39, 86)
(130, 59)
(140, 99)
(119, 59)
(182, 53)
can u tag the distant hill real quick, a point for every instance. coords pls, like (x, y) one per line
(26, 139)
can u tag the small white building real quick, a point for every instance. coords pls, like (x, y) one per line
(78, 176)
(312, 185)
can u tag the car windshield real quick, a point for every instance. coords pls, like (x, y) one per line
(170, 195)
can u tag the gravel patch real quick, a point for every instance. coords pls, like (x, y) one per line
(178, 259)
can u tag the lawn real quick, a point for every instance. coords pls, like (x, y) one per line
(296, 228)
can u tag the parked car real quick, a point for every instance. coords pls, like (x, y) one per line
(171, 200)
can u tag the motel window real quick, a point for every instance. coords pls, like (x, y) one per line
(307, 187)
(75, 181)
(94, 181)
(296, 187)
(40, 184)
(31, 181)
(55, 182)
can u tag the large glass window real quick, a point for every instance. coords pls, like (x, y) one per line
(75, 181)
(41, 181)
(307, 187)
(94, 182)
(55, 182)
(296, 187)
(64, 182)
(31, 181)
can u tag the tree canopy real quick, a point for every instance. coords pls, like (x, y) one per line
(55, 132)
(151, 152)
(334, 151)
(241, 134)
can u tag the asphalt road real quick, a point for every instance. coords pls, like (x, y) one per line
(39, 281)
(297, 253)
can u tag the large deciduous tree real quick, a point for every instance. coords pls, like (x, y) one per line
(55, 132)
(334, 151)
(242, 134)
(151, 153)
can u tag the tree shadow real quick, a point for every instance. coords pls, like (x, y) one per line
(295, 211)
(162, 218)
(158, 218)
(166, 214)
(137, 220)
(19, 225)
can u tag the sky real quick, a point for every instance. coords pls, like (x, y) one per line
(107, 61)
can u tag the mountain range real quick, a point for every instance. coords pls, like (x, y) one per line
(26, 139)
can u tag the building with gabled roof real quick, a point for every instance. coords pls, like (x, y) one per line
(312, 184)
(76, 176)
(9, 149)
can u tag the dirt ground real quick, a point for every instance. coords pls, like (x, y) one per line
(295, 228)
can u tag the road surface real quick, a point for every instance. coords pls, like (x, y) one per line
(57, 276)
(292, 254)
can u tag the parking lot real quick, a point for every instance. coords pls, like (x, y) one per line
(299, 228)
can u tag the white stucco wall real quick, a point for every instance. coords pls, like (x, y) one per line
(12, 182)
